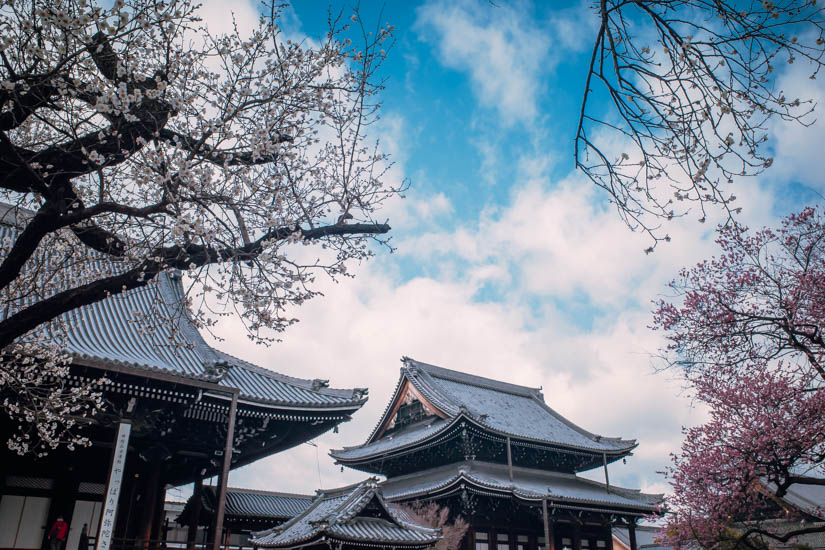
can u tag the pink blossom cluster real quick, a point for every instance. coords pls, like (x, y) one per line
(745, 329)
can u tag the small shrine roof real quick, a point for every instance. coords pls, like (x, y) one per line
(356, 514)
(561, 489)
(507, 409)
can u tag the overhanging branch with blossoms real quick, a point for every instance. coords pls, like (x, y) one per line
(133, 140)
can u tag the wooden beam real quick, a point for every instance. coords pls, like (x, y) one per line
(224, 478)
(577, 534)
(153, 375)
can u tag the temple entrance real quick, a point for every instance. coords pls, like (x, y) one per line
(86, 512)
(23, 521)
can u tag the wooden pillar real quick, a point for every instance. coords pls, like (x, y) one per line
(549, 543)
(195, 514)
(227, 461)
(160, 512)
(631, 531)
(509, 459)
(129, 500)
(148, 502)
(577, 535)
(606, 476)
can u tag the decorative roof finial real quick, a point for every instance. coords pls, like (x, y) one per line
(214, 372)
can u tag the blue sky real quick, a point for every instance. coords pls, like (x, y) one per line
(509, 264)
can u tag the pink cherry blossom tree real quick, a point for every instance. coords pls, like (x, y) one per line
(745, 329)
(134, 140)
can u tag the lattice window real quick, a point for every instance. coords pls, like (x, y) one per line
(409, 413)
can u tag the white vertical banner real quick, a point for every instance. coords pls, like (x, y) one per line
(107, 519)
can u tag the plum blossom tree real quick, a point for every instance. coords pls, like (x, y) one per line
(133, 140)
(680, 97)
(747, 336)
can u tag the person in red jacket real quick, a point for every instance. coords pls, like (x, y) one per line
(58, 534)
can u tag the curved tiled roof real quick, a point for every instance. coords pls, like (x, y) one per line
(112, 330)
(345, 515)
(507, 409)
(149, 328)
(533, 485)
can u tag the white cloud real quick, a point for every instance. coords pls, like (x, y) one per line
(799, 148)
(546, 245)
(355, 335)
(219, 18)
(569, 26)
(504, 52)
(561, 243)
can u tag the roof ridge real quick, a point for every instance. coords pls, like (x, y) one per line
(472, 379)
(356, 500)
(346, 489)
(290, 522)
(314, 384)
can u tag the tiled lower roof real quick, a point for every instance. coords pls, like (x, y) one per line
(254, 504)
(355, 514)
(532, 485)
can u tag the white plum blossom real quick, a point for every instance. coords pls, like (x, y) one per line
(135, 141)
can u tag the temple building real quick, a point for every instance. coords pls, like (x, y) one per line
(349, 518)
(177, 411)
(497, 455)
